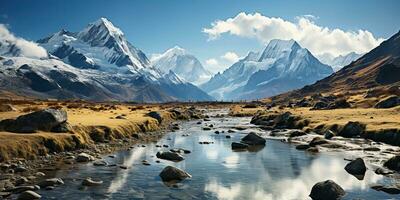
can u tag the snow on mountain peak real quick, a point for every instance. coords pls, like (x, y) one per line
(107, 25)
(277, 47)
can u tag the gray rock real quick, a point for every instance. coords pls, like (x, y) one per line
(43, 120)
(238, 145)
(297, 133)
(393, 163)
(29, 195)
(329, 134)
(90, 182)
(170, 173)
(356, 167)
(302, 146)
(155, 115)
(21, 180)
(327, 190)
(253, 139)
(317, 141)
(382, 171)
(84, 157)
(100, 163)
(20, 189)
(388, 102)
(387, 189)
(166, 155)
(352, 129)
(51, 182)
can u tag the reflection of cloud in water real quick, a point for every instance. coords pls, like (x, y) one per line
(231, 161)
(211, 154)
(293, 188)
(225, 193)
(121, 179)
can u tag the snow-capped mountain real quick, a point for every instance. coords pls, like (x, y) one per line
(183, 64)
(340, 61)
(283, 65)
(97, 63)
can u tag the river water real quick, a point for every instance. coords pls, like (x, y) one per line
(277, 171)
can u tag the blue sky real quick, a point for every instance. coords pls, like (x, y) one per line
(155, 26)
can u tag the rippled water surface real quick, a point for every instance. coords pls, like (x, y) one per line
(277, 171)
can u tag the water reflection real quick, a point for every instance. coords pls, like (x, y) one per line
(292, 188)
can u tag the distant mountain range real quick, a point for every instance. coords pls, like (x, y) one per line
(282, 66)
(185, 65)
(340, 61)
(377, 70)
(97, 63)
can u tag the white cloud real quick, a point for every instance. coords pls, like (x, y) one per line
(212, 62)
(222, 62)
(230, 56)
(28, 48)
(317, 39)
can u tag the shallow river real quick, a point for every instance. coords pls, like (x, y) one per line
(277, 171)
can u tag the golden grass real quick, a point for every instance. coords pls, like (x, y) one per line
(240, 111)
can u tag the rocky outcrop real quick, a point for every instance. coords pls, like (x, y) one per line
(388, 102)
(170, 173)
(43, 120)
(276, 121)
(29, 195)
(327, 190)
(238, 145)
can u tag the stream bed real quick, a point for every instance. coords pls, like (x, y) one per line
(276, 171)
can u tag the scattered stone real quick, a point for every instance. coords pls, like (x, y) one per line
(170, 173)
(320, 105)
(199, 122)
(84, 157)
(227, 136)
(382, 171)
(112, 156)
(19, 189)
(180, 150)
(51, 182)
(90, 182)
(231, 131)
(123, 167)
(20, 169)
(166, 146)
(297, 133)
(21, 180)
(388, 102)
(312, 149)
(40, 174)
(317, 141)
(327, 190)
(340, 103)
(29, 195)
(253, 139)
(166, 155)
(371, 149)
(100, 163)
(357, 168)
(238, 145)
(206, 128)
(145, 162)
(216, 132)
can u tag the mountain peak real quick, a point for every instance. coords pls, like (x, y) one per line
(277, 47)
(177, 50)
(103, 24)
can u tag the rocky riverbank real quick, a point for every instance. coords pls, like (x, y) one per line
(58, 136)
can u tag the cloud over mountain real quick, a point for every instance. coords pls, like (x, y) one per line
(26, 48)
(305, 31)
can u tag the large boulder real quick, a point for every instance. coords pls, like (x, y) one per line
(29, 195)
(156, 115)
(42, 120)
(352, 129)
(388, 102)
(320, 105)
(167, 155)
(238, 145)
(317, 141)
(393, 163)
(170, 173)
(340, 103)
(327, 190)
(357, 168)
(253, 139)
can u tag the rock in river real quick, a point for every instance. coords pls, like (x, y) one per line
(393, 163)
(317, 141)
(170, 173)
(352, 129)
(42, 120)
(29, 195)
(253, 139)
(84, 157)
(166, 155)
(238, 145)
(357, 168)
(327, 190)
(51, 182)
(90, 182)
